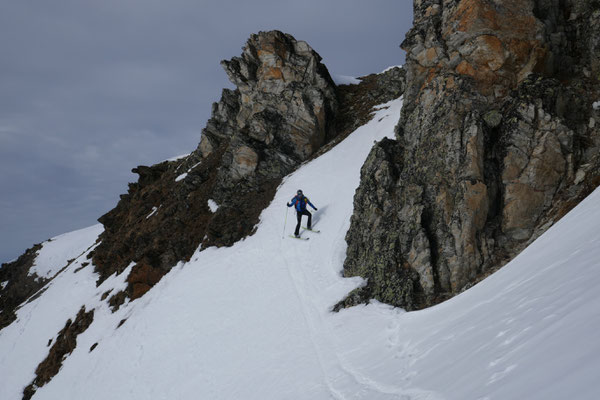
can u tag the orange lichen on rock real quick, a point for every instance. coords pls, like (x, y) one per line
(503, 41)
(489, 53)
(141, 278)
(269, 48)
(511, 17)
(273, 73)
(464, 68)
(473, 15)
(433, 72)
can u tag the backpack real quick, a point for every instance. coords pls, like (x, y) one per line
(301, 204)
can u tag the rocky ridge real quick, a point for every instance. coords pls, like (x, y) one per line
(497, 140)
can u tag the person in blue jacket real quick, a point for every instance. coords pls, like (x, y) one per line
(300, 201)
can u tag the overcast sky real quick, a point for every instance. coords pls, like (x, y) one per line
(91, 89)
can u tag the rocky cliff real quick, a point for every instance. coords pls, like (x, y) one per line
(497, 140)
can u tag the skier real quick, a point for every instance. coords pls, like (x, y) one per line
(300, 201)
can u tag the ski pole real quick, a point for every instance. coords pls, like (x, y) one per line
(285, 222)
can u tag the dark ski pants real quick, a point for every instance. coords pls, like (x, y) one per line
(299, 215)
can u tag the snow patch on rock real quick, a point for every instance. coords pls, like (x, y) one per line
(345, 80)
(389, 68)
(213, 206)
(177, 158)
(154, 210)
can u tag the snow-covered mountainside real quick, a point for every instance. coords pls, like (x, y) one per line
(254, 321)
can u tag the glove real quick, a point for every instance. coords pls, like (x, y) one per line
(287, 204)
(316, 209)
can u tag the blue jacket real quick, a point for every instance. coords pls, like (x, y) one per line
(300, 202)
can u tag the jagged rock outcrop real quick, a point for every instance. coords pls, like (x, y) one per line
(497, 139)
(286, 101)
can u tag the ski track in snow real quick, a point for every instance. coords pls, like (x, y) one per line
(253, 321)
(343, 382)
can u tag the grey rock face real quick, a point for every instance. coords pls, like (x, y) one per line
(383, 223)
(286, 98)
(495, 128)
(282, 112)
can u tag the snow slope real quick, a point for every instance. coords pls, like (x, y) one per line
(253, 321)
(56, 252)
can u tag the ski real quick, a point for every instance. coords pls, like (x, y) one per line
(312, 230)
(299, 237)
